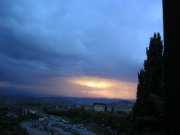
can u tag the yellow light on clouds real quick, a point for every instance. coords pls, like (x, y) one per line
(81, 86)
(94, 84)
(101, 87)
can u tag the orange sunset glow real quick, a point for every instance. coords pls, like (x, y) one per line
(92, 82)
(82, 86)
(104, 87)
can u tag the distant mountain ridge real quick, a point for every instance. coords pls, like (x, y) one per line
(19, 95)
(61, 100)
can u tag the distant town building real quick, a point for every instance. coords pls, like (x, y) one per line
(109, 108)
(30, 111)
(79, 106)
(11, 115)
(33, 111)
(122, 107)
(99, 107)
(119, 107)
(88, 107)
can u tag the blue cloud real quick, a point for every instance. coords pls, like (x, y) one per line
(59, 38)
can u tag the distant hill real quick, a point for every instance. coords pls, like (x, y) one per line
(8, 91)
(9, 95)
(61, 100)
(90, 101)
(123, 101)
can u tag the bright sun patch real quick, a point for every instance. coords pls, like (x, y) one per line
(102, 87)
(94, 84)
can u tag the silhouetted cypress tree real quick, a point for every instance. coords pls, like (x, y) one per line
(150, 95)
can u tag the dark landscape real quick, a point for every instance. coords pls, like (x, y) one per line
(83, 67)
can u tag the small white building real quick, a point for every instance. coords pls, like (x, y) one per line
(123, 107)
(32, 111)
(99, 107)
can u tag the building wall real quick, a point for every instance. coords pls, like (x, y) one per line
(99, 108)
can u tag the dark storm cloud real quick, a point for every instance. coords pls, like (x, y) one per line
(105, 38)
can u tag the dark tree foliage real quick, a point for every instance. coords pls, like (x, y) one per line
(148, 110)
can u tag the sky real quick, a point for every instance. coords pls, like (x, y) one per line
(76, 48)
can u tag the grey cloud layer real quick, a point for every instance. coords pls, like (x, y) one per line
(102, 37)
